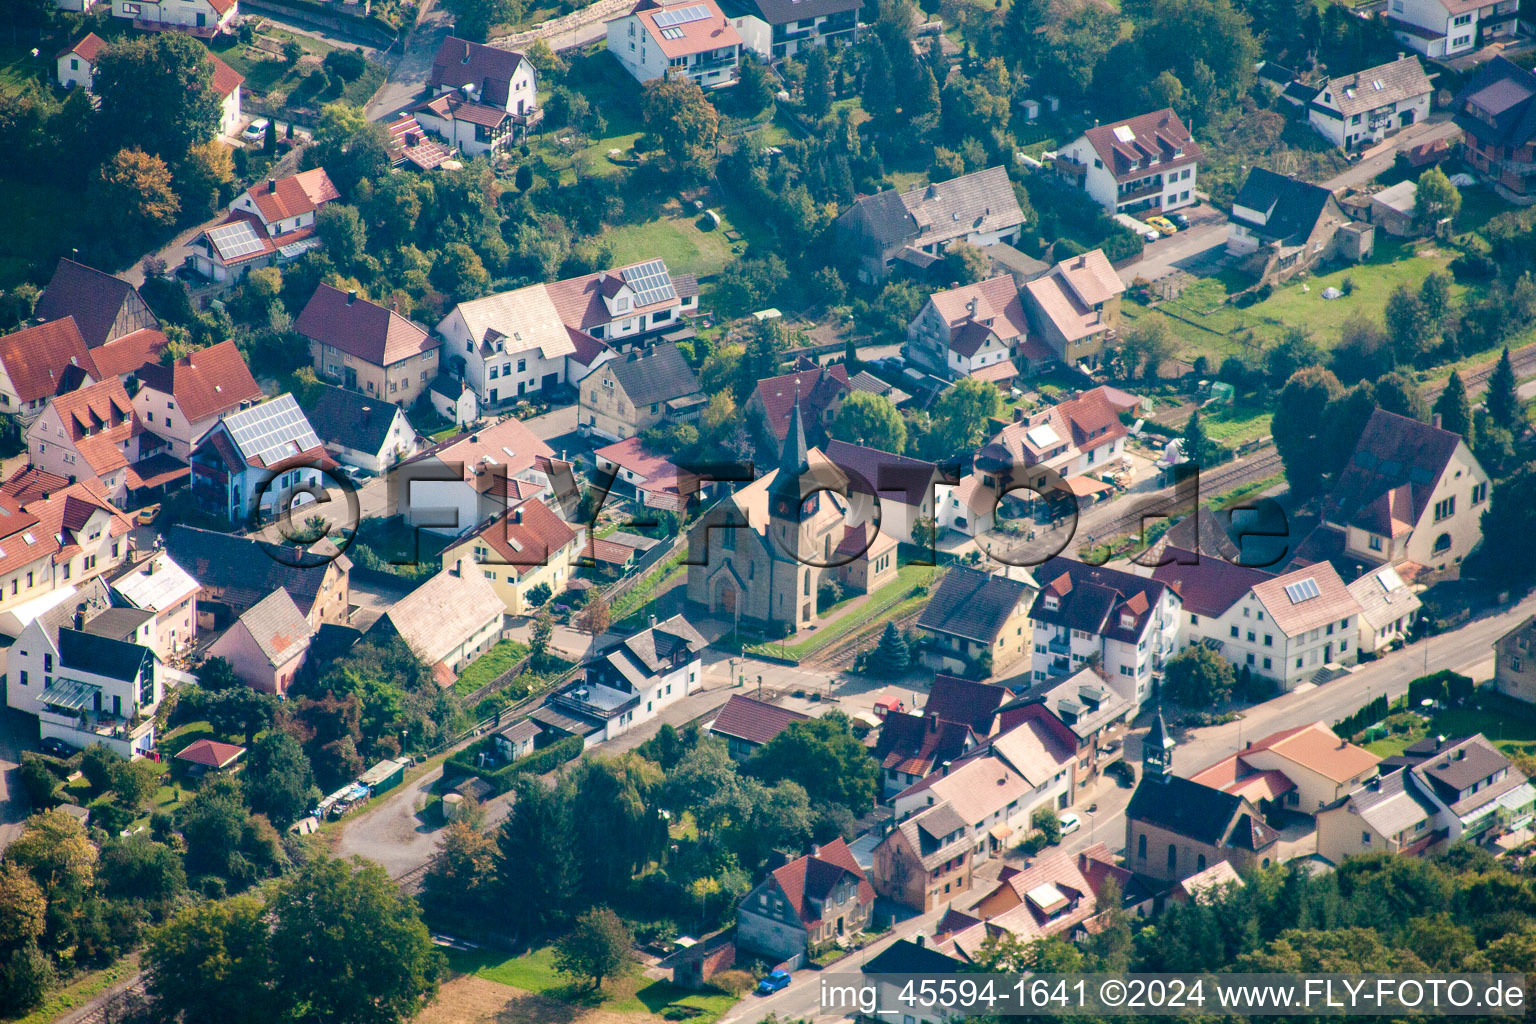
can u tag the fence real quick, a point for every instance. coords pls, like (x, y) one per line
(648, 561)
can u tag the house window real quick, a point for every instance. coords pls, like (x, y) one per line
(522, 364)
(1479, 494)
(1445, 508)
(1173, 858)
(1141, 846)
(130, 8)
(1365, 837)
(1234, 633)
(1375, 542)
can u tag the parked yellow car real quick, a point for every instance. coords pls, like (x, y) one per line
(1163, 224)
(147, 515)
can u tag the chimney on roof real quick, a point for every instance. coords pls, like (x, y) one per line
(815, 849)
(945, 769)
(1401, 55)
(653, 622)
(933, 721)
(517, 517)
(351, 296)
(458, 567)
(80, 617)
(271, 184)
(970, 307)
(1082, 260)
(920, 940)
(1435, 419)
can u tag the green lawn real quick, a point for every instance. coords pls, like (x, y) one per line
(18, 67)
(1244, 421)
(535, 972)
(490, 665)
(1207, 325)
(675, 237)
(894, 599)
(659, 579)
(1513, 734)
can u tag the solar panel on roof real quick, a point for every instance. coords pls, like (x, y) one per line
(650, 282)
(235, 240)
(1302, 590)
(272, 430)
(682, 15)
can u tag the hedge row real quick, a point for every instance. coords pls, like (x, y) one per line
(537, 763)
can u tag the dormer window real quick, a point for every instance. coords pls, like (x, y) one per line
(1052, 602)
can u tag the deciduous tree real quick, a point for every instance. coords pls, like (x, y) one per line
(869, 419)
(134, 195)
(1198, 677)
(1436, 200)
(157, 94)
(682, 121)
(278, 778)
(824, 757)
(598, 947)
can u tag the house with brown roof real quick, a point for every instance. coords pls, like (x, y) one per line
(60, 540)
(746, 724)
(912, 747)
(1075, 309)
(267, 645)
(1207, 886)
(39, 362)
(975, 330)
(904, 490)
(484, 97)
(655, 481)
(76, 64)
(1411, 496)
(448, 621)
(924, 861)
(524, 547)
(818, 390)
(1303, 769)
(978, 621)
(1496, 111)
(916, 227)
(123, 357)
(270, 223)
(1359, 110)
(93, 433)
(201, 18)
(1388, 609)
(366, 347)
(676, 37)
(1131, 624)
(104, 307)
(183, 401)
(1050, 897)
(805, 904)
(1148, 162)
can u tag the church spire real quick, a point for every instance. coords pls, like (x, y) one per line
(1157, 750)
(795, 459)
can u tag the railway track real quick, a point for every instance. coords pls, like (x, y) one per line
(841, 654)
(1523, 360)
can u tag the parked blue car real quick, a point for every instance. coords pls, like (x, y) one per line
(776, 980)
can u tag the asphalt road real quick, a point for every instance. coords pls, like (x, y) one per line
(408, 80)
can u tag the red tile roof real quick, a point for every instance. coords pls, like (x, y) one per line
(206, 383)
(1154, 136)
(754, 721)
(525, 537)
(812, 877)
(29, 483)
(373, 333)
(960, 700)
(817, 388)
(293, 195)
(225, 78)
(88, 48)
(98, 421)
(35, 358)
(210, 753)
(126, 354)
(1207, 586)
(450, 108)
(711, 33)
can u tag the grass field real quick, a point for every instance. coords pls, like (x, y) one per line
(1512, 734)
(1207, 325)
(676, 238)
(543, 996)
(18, 67)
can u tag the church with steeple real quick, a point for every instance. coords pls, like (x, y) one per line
(1175, 827)
(762, 555)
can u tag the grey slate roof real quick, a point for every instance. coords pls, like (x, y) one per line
(657, 374)
(1293, 205)
(118, 623)
(980, 201)
(926, 833)
(973, 604)
(655, 647)
(1196, 811)
(246, 570)
(1505, 92)
(351, 419)
(1376, 87)
(101, 655)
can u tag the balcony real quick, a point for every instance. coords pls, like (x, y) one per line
(704, 67)
(1153, 188)
(530, 120)
(1059, 645)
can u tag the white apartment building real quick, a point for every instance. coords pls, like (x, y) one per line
(1359, 110)
(1131, 624)
(684, 37)
(1445, 28)
(1148, 162)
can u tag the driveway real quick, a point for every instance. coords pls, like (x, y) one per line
(16, 730)
(408, 81)
(1381, 157)
(1197, 246)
